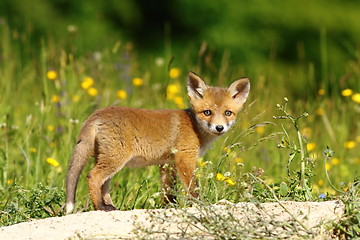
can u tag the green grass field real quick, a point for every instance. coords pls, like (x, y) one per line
(46, 93)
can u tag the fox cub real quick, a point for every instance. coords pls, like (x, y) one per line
(120, 137)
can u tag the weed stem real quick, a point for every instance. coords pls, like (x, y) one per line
(327, 175)
(278, 201)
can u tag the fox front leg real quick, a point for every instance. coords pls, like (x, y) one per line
(185, 163)
(168, 182)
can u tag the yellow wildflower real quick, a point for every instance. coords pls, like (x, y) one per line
(230, 182)
(9, 181)
(220, 177)
(238, 160)
(356, 97)
(172, 90)
(92, 92)
(320, 111)
(179, 101)
(321, 182)
(137, 82)
(33, 150)
(51, 75)
(174, 73)
(50, 128)
(201, 162)
(52, 162)
(321, 92)
(52, 144)
(87, 83)
(55, 99)
(328, 166)
(310, 146)
(121, 94)
(347, 92)
(227, 150)
(335, 161)
(350, 144)
(76, 98)
(260, 129)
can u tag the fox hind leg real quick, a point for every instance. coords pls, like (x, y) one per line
(95, 181)
(99, 180)
(105, 193)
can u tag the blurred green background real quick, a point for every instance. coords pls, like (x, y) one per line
(255, 30)
(322, 34)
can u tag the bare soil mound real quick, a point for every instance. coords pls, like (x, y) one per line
(179, 223)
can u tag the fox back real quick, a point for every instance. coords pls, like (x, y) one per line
(120, 136)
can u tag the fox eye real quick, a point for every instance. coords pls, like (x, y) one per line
(207, 112)
(228, 113)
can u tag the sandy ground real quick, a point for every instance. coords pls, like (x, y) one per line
(121, 224)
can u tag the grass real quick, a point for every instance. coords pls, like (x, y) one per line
(47, 93)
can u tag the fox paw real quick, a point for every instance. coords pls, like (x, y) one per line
(107, 208)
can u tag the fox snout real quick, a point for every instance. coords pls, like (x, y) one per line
(218, 129)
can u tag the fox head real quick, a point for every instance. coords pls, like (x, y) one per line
(216, 108)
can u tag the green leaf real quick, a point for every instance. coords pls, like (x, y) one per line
(283, 189)
(291, 157)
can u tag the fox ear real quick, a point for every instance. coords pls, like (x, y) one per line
(196, 86)
(239, 90)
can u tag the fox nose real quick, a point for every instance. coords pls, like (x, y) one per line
(219, 128)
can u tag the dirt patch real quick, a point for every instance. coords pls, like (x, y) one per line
(163, 223)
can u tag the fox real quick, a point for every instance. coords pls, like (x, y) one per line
(119, 136)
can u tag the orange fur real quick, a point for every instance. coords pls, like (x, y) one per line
(120, 137)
